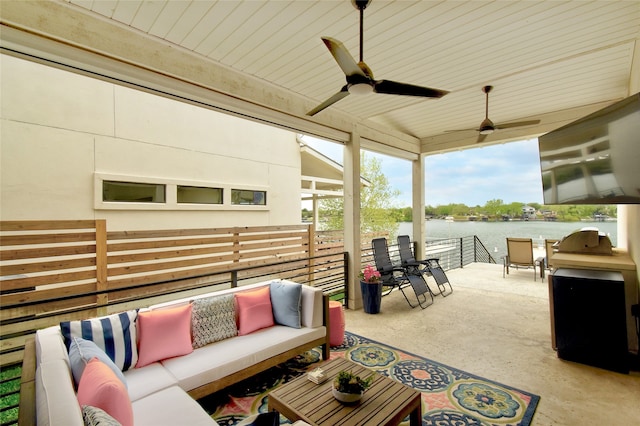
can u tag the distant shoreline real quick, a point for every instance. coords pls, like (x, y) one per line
(517, 219)
(493, 234)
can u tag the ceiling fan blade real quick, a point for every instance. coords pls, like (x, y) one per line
(344, 92)
(342, 56)
(394, 88)
(481, 138)
(499, 127)
(475, 129)
(517, 124)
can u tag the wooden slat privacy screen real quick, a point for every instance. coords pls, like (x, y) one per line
(62, 270)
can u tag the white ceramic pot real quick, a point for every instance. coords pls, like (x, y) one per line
(346, 397)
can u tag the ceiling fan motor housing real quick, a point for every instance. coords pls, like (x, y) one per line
(486, 127)
(360, 4)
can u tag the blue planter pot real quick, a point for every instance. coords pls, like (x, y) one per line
(371, 297)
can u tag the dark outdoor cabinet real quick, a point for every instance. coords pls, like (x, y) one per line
(589, 318)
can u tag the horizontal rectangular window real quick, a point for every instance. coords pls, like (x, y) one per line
(199, 195)
(132, 192)
(248, 197)
(148, 193)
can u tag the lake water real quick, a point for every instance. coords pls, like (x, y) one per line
(493, 234)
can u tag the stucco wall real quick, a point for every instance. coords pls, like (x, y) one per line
(60, 129)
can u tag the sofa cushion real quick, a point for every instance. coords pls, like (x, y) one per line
(213, 319)
(285, 301)
(114, 334)
(147, 380)
(56, 402)
(94, 416)
(170, 407)
(82, 351)
(50, 345)
(99, 387)
(164, 333)
(254, 310)
(216, 360)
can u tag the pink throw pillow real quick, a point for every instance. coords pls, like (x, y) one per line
(164, 333)
(254, 310)
(100, 387)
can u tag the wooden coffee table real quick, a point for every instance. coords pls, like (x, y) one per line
(385, 402)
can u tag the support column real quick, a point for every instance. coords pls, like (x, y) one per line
(315, 206)
(352, 216)
(417, 191)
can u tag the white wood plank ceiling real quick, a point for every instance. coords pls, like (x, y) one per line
(542, 57)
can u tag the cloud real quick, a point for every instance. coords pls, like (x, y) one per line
(509, 172)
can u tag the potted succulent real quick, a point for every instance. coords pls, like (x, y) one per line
(371, 288)
(349, 387)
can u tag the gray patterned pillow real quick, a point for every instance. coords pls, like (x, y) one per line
(213, 319)
(94, 416)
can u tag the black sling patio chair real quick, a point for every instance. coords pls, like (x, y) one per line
(397, 277)
(428, 266)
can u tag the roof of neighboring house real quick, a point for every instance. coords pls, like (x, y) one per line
(321, 176)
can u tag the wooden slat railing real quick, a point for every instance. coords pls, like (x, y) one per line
(42, 263)
(63, 270)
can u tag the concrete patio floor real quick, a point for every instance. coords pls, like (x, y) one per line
(499, 328)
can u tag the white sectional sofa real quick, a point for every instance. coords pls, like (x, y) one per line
(163, 391)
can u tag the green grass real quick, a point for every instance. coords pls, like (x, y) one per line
(9, 394)
(337, 296)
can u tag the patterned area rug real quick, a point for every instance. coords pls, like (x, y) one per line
(450, 396)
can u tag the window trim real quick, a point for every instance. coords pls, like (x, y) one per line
(171, 194)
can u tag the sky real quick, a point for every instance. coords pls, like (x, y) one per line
(509, 172)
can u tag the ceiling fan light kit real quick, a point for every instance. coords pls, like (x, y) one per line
(359, 76)
(487, 127)
(360, 89)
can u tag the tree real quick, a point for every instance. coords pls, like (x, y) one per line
(495, 208)
(377, 212)
(306, 215)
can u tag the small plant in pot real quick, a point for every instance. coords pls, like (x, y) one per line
(370, 275)
(371, 288)
(349, 387)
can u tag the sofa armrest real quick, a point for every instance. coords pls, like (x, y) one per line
(312, 313)
(27, 405)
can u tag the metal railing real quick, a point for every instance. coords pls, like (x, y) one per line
(457, 252)
(452, 253)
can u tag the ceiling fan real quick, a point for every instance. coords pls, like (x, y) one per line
(487, 127)
(359, 76)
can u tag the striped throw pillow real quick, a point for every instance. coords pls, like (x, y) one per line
(114, 334)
